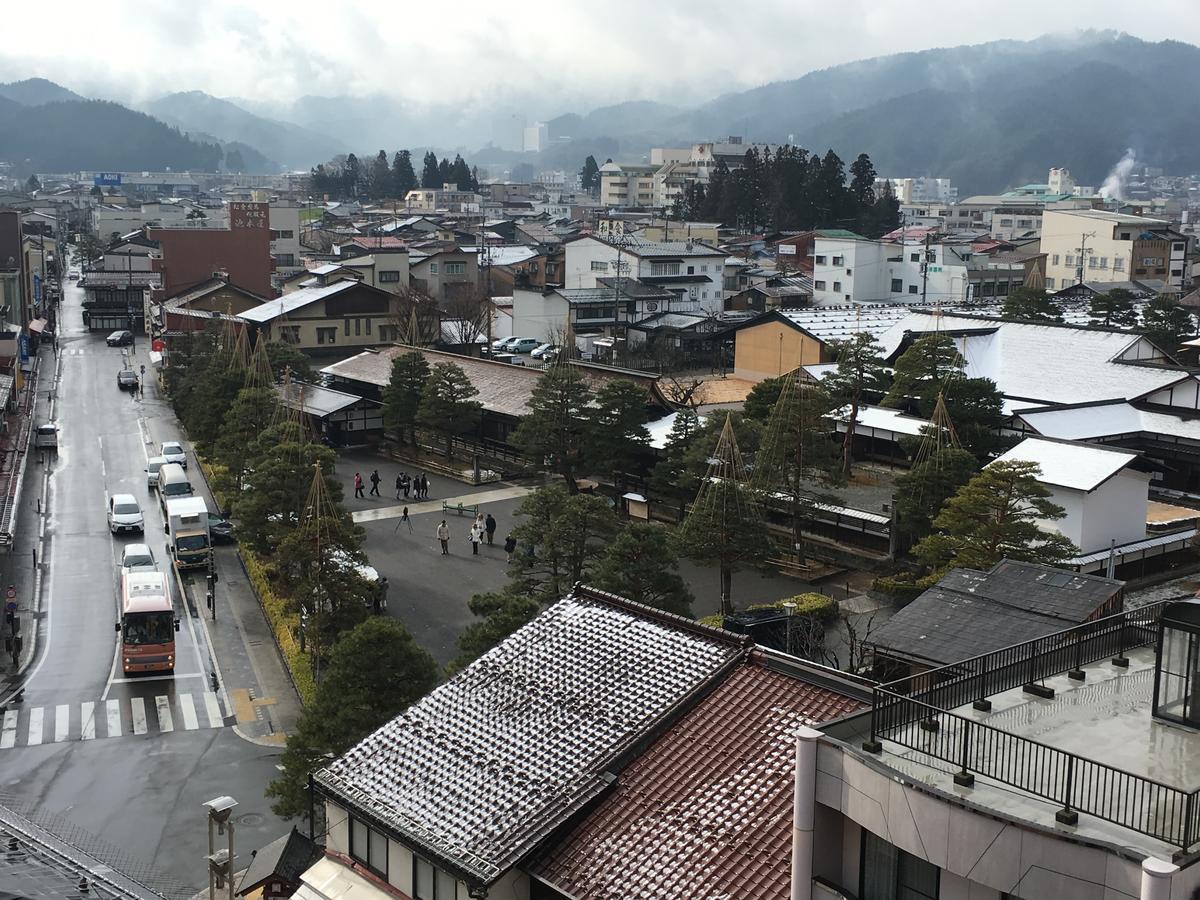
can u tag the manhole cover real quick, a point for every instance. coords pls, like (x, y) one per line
(251, 819)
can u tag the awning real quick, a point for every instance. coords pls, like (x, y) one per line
(37, 326)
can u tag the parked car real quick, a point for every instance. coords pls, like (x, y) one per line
(545, 351)
(173, 452)
(523, 345)
(124, 514)
(46, 437)
(153, 464)
(498, 344)
(72, 276)
(127, 380)
(119, 339)
(220, 530)
(138, 558)
(508, 358)
(506, 345)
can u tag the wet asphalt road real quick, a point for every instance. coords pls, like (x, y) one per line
(129, 760)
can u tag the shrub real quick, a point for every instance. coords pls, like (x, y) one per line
(819, 606)
(901, 590)
(285, 624)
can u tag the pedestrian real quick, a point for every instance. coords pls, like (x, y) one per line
(399, 484)
(383, 591)
(443, 533)
(407, 485)
(476, 537)
(510, 546)
(358, 485)
(489, 526)
(424, 486)
(375, 479)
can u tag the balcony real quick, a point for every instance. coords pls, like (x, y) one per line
(1065, 720)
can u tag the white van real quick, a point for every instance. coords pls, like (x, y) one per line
(172, 484)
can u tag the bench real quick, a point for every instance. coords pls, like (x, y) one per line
(459, 508)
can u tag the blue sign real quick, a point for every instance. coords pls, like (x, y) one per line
(24, 345)
(107, 179)
(37, 289)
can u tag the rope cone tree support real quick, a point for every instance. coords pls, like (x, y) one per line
(319, 528)
(235, 348)
(725, 523)
(258, 372)
(938, 436)
(289, 415)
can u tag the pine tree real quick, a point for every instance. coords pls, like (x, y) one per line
(862, 184)
(1167, 324)
(351, 177)
(403, 177)
(556, 426)
(589, 175)
(460, 174)
(640, 565)
(860, 370)
(885, 213)
(921, 492)
(619, 439)
(667, 475)
(445, 174)
(429, 171)
(996, 516)
(1031, 305)
(922, 369)
(402, 395)
(1113, 309)
(448, 405)
(380, 181)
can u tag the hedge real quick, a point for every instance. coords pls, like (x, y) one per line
(819, 606)
(902, 591)
(285, 624)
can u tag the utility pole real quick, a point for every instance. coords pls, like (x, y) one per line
(1082, 251)
(925, 267)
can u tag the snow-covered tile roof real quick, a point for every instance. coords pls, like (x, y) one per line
(881, 418)
(1081, 467)
(831, 323)
(1080, 423)
(487, 764)
(1044, 363)
(288, 303)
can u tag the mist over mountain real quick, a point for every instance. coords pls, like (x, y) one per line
(36, 91)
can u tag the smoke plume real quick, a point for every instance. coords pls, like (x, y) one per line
(1114, 185)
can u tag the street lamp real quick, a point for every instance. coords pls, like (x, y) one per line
(220, 862)
(789, 610)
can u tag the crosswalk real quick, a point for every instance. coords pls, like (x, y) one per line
(119, 717)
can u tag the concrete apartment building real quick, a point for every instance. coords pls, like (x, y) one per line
(192, 255)
(1115, 247)
(849, 268)
(448, 198)
(627, 184)
(694, 272)
(284, 219)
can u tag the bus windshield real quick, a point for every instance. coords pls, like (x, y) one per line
(149, 628)
(191, 542)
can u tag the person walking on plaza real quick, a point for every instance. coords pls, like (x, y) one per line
(476, 537)
(489, 526)
(406, 484)
(399, 484)
(358, 485)
(383, 592)
(443, 533)
(375, 479)
(424, 486)
(510, 546)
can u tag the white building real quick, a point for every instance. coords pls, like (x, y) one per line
(1098, 245)
(1104, 497)
(110, 222)
(537, 137)
(920, 190)
(848, 268)
(694, 272)
(627, 184)
(285, 237)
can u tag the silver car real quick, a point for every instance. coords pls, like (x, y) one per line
(173, 452)
(138, 558)
(153, 464)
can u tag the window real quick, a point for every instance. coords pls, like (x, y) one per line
(367, 326)
(368, 846)
(704, 267)
(1054, 260)
(849, 272)
(326, 335)
(357, 327)
(691, 270)
(1178, 245)
(837, 285)
(1124, 235)
(1104, 262)
(664, 268)
(391, 276)
(1093, 262)
(346, 327)
(889, 873)
(433, 268)
(1024, 223)
(596, 312)
(598, 266)
(914, 257)
(388, 332)
(838, 260)
(456, 268)
(1118, 265)
(1006, 223)
(820, 260)
(897, 286)
(286, 234)
(430, 882)
(912, 288)
(289, 334)
(285, 259)
(818, 285)
(1050, 284)
(1070, 259)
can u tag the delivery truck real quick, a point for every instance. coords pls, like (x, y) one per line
(188, 540)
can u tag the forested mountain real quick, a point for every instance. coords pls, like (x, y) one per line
(94, 134)
(36, 91)
(282, 143)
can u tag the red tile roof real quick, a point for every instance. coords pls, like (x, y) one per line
(706, 811)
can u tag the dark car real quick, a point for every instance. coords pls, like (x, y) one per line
(127, 380)
(119, 339)
(221, 530)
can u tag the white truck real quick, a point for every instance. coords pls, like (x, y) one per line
(188, 539)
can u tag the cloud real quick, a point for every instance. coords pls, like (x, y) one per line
(546, 55)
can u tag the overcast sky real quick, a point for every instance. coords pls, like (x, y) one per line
(573, 53)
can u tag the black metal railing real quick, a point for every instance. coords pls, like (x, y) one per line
(915, 712)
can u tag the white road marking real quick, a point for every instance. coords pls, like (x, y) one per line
(165, 723)
(138, 706)
(8, 737)
(214, 710)
(87, 715)
(188, 708)
(35, 726)
(114, 718)
(62, 722)
(141, 424)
